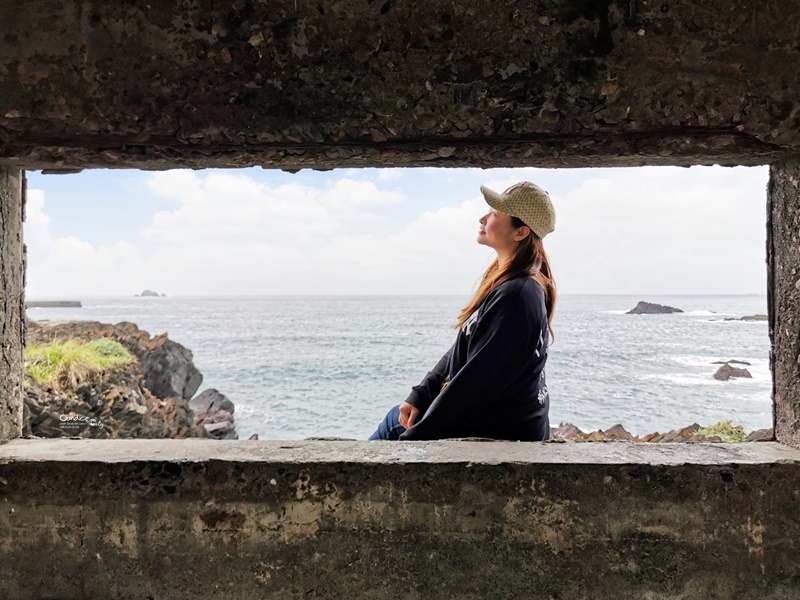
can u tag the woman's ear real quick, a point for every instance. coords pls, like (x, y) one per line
(521, 233)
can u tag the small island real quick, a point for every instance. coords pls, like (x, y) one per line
(647, 308)
(150, 294)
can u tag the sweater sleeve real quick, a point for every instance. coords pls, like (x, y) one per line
(423, 394)
(496, 354)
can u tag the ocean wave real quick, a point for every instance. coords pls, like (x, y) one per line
(733, 321)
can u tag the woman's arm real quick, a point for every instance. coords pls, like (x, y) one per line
(498, 351)
(423, 394)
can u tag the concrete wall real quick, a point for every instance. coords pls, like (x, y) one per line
(783, 250)
(192, 519)
(12, 302)
(379, 83)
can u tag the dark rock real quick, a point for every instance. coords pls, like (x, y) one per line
(214, 412)
(680, 435)
(647, 308)
(726, 372)
(754, 318)
(167, 366)
(565, 431)
(253, 437)
(142, 400)
(221, 431)
(211, 400)
(149, 293)
(617, 432)
(109, 405)
(761, 435)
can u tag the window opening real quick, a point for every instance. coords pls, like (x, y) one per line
(315, 300)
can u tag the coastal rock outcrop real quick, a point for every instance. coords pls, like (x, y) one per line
(111, 405)
(691, 433)
(151, 294)
(145, 399)
(648, 308)
(167, 366)
(726, 372)
(214, 412)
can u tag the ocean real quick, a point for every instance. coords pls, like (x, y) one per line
(331, 366)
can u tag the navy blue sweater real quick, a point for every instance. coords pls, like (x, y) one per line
(496, 385)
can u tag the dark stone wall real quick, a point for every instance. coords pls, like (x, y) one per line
(371, 529)
(783, 255)
(91, 83)
(12, 302)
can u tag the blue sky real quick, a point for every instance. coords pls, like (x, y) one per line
(664, 230)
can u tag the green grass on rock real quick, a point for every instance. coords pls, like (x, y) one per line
(67, 363)
(725, 431)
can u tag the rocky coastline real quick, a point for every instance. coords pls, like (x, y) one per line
(156, 396)
(149, 398)
(617, 433)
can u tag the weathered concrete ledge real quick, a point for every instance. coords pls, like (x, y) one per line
(179, 519)
(358, 452)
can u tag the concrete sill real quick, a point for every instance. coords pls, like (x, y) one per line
(362, 452)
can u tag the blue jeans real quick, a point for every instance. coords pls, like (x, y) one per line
(389, 428)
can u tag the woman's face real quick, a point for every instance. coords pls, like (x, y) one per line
(497, 232)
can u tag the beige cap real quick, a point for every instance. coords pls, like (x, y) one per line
(526, 201)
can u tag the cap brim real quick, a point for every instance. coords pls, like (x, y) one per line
(494, 199)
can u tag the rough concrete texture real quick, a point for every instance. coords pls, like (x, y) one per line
(448, 520)
(783, 257)
(379, 83)
(12, 302)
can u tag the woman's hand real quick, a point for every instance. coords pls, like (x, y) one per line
(408, 414)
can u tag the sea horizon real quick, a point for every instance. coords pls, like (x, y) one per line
(357, 295)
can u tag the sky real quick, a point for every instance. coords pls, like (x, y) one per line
(640, 231)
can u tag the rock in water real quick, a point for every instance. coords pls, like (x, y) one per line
(209, 401)
(214, 412)
(647, 308)
(726, 372)
(754, 318)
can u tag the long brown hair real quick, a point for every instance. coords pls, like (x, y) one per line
(531, 259)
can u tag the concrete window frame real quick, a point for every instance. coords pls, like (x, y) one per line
(292, 85)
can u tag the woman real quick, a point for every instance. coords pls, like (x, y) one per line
(491, 383)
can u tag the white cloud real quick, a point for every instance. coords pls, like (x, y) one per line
(666, 230)
(69, 266)
(435, 253)
(622, 231)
